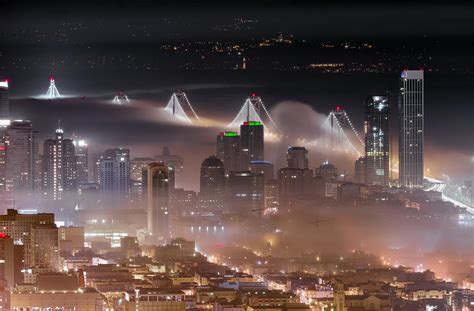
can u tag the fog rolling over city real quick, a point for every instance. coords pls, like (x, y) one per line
(282, 155)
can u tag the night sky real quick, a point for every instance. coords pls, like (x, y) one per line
(97, 49)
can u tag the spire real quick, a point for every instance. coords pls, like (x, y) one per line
(59, 130)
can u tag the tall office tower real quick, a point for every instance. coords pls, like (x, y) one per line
(82, 160)
(359, 171)
(22, 158)
(271, 195)
(228, 150)
(245, 192)
(138, 169)
(7, 270)
(158, 203)
(59, 166)
(294, 183)
(4, 101)
(114, 170)
(297, 157)
(3, 153)
(411, 111)
(212, 185)
(4, 123)
(377, 141)
(172, 160)
(262, 167)
(326, 173)
(252, 141)
(37, 233)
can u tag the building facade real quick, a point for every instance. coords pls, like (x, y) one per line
(23, 172)
(411, 140)
(297, 157)
(212, 185)
(59, 166)
(158, 203)
(114, 171)
(252, 142)
(377, 140)
(82, 160)
(228, 150)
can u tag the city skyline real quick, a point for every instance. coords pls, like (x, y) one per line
(241, 156)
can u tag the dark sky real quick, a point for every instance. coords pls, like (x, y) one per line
(192, 18)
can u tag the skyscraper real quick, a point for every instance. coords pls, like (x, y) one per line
(297, 157)
(212, 185)
(4, 101)
(82, 160)
(360, 171)
(411, 111)
(377, 141)
(114, 170)
(22, 159)
(228, 150)
(245, 192)
(325, 174)
(158, 202)
(37, 233)
(59, 166)
(252, 142)
(262, 167)
(173, 161)
(4, 123)
(293, 183)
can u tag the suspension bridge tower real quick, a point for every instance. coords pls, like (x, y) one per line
(342, 132)
(120, 98)
(180, 107)
(255, 110)
(52, 92)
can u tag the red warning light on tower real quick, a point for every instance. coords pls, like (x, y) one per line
(338, 108)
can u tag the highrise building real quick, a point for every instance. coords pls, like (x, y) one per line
(158, 202)
(4, 101)
(297, 157)
(294, 183)
(411, 112)
(37, 233)
(359, 171)
(3, 154)
(325, 175)
(138, 179)
(137, 166)
(23, 173)
(172, 161)
(4, 123)
(7, 270)
(377, 141)
(271, 195)
(228, 150)
(212, 185)
(59, 166)
(262, 167)
(114, 171)
(82, 160)
(245, 192)
(252, 142)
